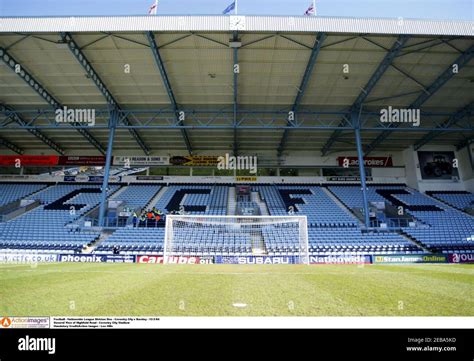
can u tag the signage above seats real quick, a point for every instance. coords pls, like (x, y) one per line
(141, 160)
(49, 160)
(245, 179)
(195, 160)
(84, 178)
(438, 165)
(188, 160)
(348, 179)
(29, 160)
(373, 162)
(82, 160)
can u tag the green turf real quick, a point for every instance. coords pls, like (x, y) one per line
(75, 289)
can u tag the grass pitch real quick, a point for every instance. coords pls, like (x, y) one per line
(75, 289)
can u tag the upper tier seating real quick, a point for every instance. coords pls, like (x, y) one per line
(445, 230)
(45, 227)
(319, 207)
(196, 199)
(351, 195)
(460, 200)
(10, 192)
(137, 196)
(311, 201)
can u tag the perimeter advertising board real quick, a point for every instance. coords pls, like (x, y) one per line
(411, 258)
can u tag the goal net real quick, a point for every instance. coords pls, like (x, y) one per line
(192, 235)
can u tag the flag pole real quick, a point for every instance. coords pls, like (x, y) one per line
(236, 7)
(314, 7)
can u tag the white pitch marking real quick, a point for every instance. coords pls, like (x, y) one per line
(239, 305)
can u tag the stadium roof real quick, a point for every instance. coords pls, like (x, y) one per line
(151, 68)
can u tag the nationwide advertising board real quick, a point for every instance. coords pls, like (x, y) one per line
(340, 259)
(461, 258)
(412, 258)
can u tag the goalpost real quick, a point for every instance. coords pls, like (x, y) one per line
(207, 235)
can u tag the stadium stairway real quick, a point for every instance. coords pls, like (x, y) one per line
(255, 197)
(414, 241)
(340, 204)
(102, 239)
(154, 200)
(32, 195)
(231, 202)
(120, 191)
(113, 193)
(258, 245)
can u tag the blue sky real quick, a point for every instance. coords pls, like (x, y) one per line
(427, 9)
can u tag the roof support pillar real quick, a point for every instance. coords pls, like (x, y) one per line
(360, 155)
(108, 161)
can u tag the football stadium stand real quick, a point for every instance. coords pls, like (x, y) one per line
(332, 226)
(306, 100)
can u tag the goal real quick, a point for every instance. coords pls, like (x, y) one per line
(207, 235)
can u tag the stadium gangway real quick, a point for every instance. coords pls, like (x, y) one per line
(393, 224)
(88, 223)
(108, 222)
